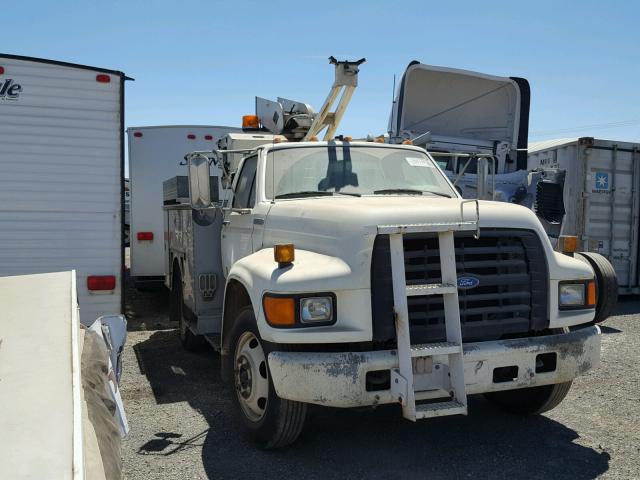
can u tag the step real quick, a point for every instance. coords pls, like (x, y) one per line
(428, 227)
(438, 348)
(431, 289)
(440, 409)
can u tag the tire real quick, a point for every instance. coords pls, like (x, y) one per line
(271, 422)
(188, 339)
(530, 401)
(606, 284)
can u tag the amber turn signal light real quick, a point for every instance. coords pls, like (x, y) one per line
(284, 254)
(567, 244)
(279, 311)
(592, 298)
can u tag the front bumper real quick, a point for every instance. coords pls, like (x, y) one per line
(339, 379)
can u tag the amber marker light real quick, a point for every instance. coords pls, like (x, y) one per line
(279, 311)
(568, 243)
(284, 254)
(592, 297)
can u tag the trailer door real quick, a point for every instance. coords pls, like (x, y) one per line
(612, 183)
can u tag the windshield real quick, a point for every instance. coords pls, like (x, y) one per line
(352, 170)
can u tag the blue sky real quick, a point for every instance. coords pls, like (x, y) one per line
(204, 62)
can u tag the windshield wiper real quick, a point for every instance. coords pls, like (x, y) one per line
(398, 190)
(305, 193)
(409, 191)
(440, 194)
(315, 193)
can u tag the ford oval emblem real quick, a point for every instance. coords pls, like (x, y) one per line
(466, 283)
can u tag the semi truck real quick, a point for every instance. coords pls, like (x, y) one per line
(477, 125)
(349, 273)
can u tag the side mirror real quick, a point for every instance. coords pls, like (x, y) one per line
(199, 182)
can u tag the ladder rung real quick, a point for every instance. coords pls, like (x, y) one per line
(430, 349)
(431, 289)
(440, 409)
(427, 227)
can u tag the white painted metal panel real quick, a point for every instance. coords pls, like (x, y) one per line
(40, 394)
(61, 176)
(153, 158)
(601, 197)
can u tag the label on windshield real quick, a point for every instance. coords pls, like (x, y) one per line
(419, 162)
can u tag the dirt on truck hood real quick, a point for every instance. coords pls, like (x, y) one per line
(342, 216)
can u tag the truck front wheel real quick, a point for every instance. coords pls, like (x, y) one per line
(530, 401)
(272, 422)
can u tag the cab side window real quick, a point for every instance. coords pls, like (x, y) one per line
(245, 193)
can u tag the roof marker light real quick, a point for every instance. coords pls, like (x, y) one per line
(102, 78)
(250, 121)
(137, 134)
(191, 136)
(1, 70)
(208, 137)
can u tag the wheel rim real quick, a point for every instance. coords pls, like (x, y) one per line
(251, 378)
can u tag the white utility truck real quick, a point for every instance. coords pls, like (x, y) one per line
(352, 274)
(155, 154)
(476, 126)
(62, 175)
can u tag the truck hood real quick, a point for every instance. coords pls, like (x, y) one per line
(462, 108)
(324, 224)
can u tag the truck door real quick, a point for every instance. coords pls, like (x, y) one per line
(237, 227)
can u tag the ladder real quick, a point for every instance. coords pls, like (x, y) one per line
(346, 82)
(421, 375)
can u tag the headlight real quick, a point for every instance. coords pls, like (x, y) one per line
(316, 309)
(579, 294)
(572, 294)
(283, 310)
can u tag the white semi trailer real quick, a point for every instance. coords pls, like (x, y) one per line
(590, 188)
(352, 274)
(62, 175)
(155, 154)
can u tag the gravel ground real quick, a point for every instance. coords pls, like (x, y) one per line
(183, 424)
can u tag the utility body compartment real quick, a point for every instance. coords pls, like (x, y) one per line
(192, 249)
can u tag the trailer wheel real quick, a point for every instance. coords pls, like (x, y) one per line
(530, 401)
(190, 341)
(271, 421)
(606, 284)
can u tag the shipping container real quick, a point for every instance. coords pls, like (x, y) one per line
(591, 189)
(61, 176)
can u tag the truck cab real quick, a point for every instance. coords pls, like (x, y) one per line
(353, 274)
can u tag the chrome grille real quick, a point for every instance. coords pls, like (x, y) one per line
(511, 297)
